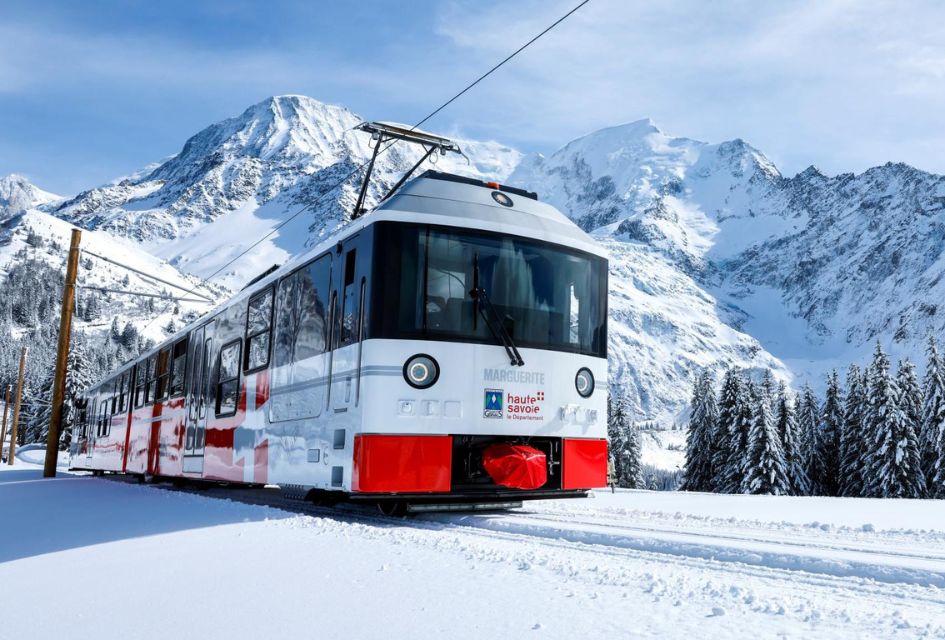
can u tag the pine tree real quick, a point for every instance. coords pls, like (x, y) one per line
(632, 464)
(910, 404)
(828, 443)
(727, 475)
(932, 432)
(129, 338)
(81, 376)
(624, 446)
(115, 331)
(808, 421)
(893, 458)
(739, 463)
(765, 471)
(853, 439)
(703, 421)
(787, 431)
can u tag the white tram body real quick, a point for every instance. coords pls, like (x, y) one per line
(368, 369)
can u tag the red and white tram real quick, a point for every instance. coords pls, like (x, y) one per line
(447, 347)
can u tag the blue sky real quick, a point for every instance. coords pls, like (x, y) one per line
(90, 91)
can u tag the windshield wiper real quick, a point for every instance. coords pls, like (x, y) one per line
(496, 325)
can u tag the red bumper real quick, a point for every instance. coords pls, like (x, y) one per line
(585, 464)
(402, 464)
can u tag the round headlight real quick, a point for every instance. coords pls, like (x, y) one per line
(421, 371)
(584, 381)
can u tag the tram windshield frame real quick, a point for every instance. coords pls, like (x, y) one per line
(548, 296)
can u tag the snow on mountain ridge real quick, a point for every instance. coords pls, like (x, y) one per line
(279, 156)
(718, 258)
(814, 267)
(17, 194)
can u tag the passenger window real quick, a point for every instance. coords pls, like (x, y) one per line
(179, 368)
(141, 377)
(228, 378)
(258, 331)
(162, 374)
(150, 382)
(122, 392)
(349, 313)
(300, 342)
(205, 380)
(196, 367)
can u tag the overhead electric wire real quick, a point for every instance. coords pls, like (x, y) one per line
(364, 164)
(143, 294)
(146, 275)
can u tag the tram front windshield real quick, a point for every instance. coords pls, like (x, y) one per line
(547, 296)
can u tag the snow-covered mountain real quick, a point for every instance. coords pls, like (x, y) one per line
(812, 268)
(717, 259)
(234, 181)
(35, 235)
(17, 194)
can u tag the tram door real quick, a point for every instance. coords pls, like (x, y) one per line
(198, 358)
(347, 319)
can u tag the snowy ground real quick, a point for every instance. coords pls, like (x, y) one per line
(145, 562)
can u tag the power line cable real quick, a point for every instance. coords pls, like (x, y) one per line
(382, 151)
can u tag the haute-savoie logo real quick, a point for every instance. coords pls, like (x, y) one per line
(492, 403)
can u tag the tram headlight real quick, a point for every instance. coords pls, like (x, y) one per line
(421, 371)
(584, 382)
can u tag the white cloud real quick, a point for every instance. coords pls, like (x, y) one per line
(807, 82)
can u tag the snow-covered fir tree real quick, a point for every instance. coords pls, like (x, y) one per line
(932, 431)
(726, 460)
(828, 442)
(893, 469)
(81, 376)
(624, 445)
(910, 402)
(854, 436)
(765, 470)
(632, 462)
(787, 430)
(808, 421)
(703, 423)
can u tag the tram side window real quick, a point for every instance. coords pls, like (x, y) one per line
(149, 385)
(228, 378)
(162, 374)
(140, 378)
(103, 412)
(82, 422)
(179, 368)
(349, 313)
(300, 338)
(122, 391)
(258, 331)
(107, 417)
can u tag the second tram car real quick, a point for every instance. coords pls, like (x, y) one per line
(448, 347)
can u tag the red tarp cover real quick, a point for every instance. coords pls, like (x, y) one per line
(516, 466)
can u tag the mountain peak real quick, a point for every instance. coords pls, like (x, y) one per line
(17, 194)
(291, 106)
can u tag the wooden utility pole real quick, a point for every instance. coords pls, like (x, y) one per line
(16, 407)
(6, 408)
(62, 357)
